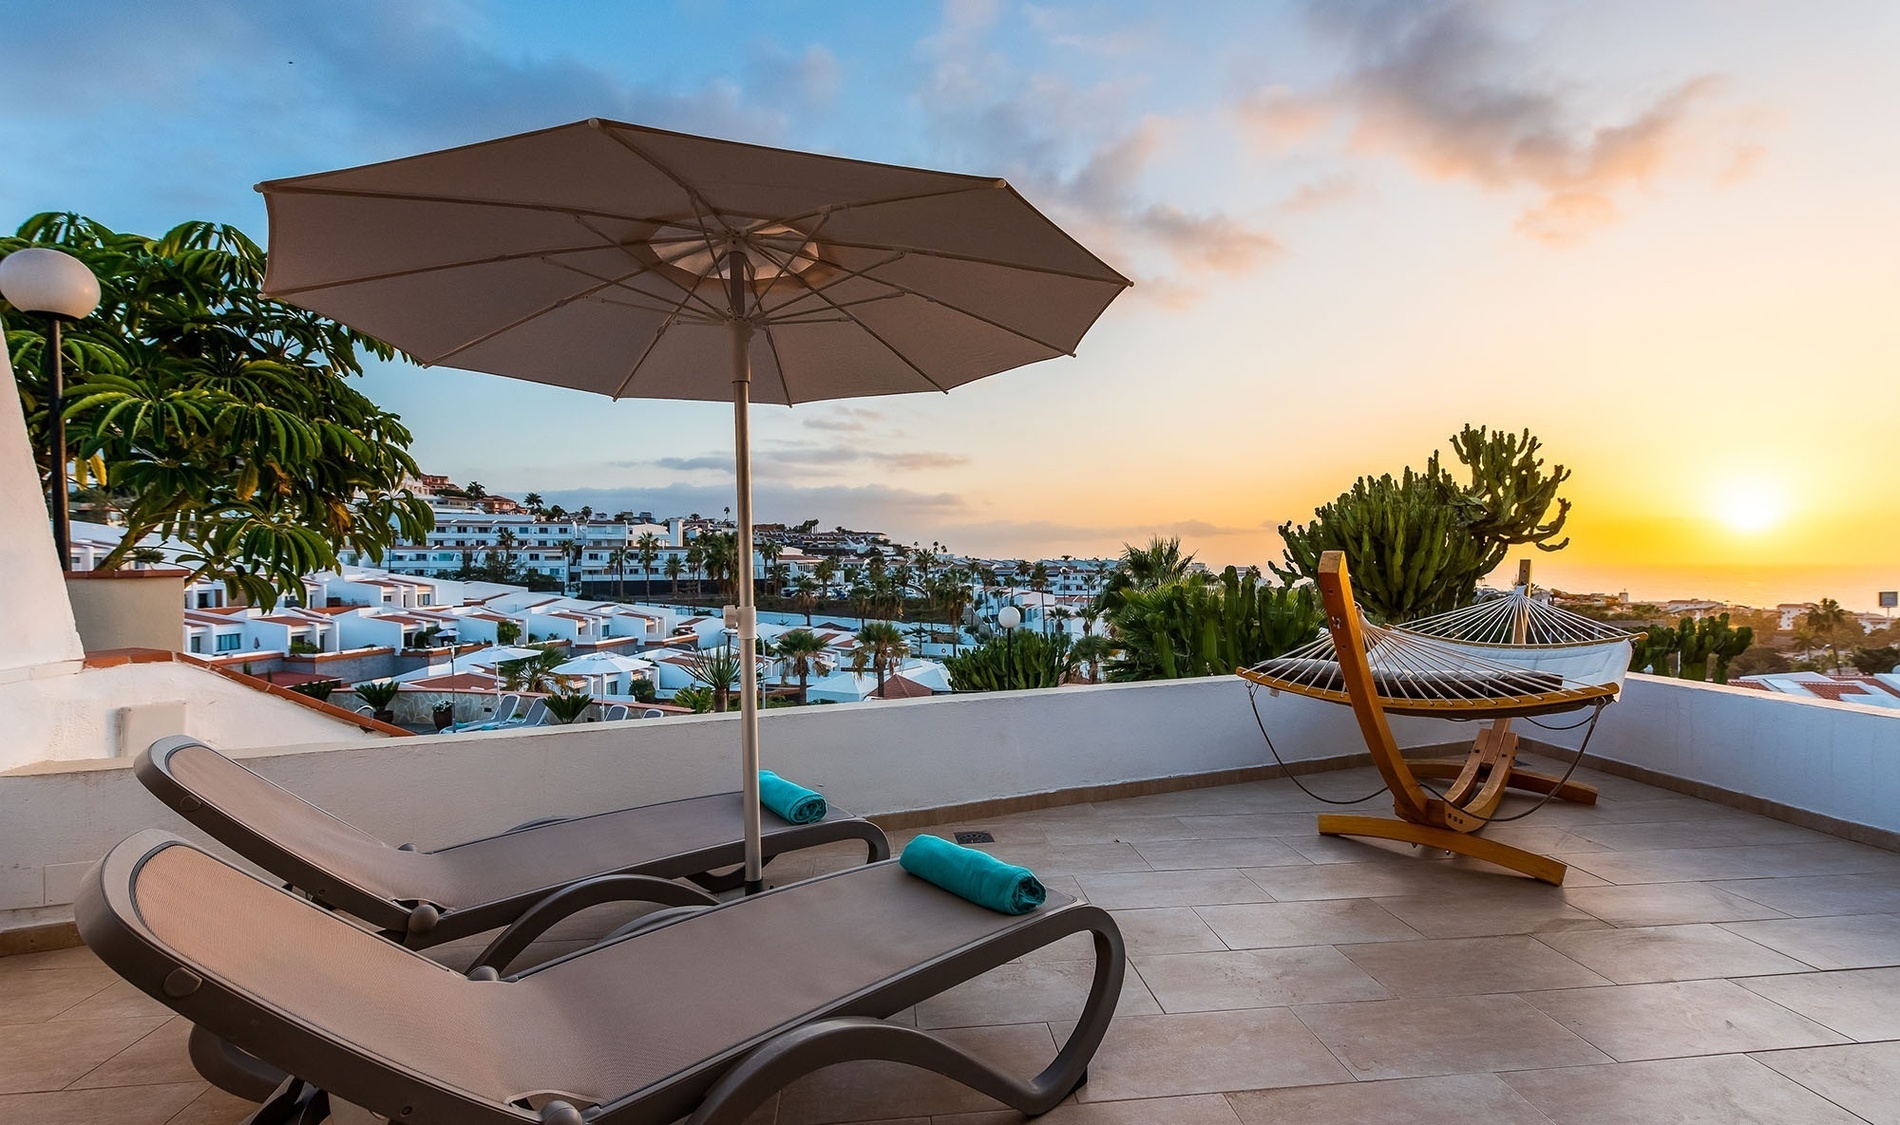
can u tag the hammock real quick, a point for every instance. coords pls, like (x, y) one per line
(1506, 656)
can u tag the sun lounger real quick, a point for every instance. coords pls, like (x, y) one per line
(705, 1011)
(424, 898)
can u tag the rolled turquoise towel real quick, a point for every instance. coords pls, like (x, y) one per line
(983, 879)
(794, 804)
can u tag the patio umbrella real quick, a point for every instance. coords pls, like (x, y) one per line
(603, 665)
(635, 262)
(493, 656)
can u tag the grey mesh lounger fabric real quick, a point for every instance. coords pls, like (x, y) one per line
(426, 898)
(706, 1012)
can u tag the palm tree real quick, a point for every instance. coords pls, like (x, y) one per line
(1091, 649)
(474, 490)
(696, 562)
(533, 502)
(718, 669)
(617, 558)
(1145, 568)
(826, 572)
(799, 654)
(1827, 625)
(673, 569)
(647, 550)
(806, 595)
(532, 673)
(587, 512)
(881, 649)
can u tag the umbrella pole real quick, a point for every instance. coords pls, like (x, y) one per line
(744, 617)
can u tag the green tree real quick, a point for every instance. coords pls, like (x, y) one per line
(1827, 626)
(221, 419)
(799, 654)
(881, 649)
(1874, 661)
(1091, 649)
(1197, 628)
(1418, 544)
(647, 550)
(673, 568)
(718, 670)
(1144, 568)
(1013, 663)
(533, 502)
(532, 673)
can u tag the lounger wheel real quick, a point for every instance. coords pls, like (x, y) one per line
(232, 1070)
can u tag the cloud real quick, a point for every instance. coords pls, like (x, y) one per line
(844, 419)
(1072, 149)
(1441, 86)
(1318, 194)
(809, 459)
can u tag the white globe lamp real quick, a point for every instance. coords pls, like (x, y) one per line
(59, 287)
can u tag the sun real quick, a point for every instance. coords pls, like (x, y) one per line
(1750, 507)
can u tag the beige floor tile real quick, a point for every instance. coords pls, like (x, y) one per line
(1697, 834)
(1665, 904)
(1007, 832)
(214, 1107)
(1385, 878)
(1444, 1035)
(1182, 855)
(118, 1000)
(1120, 830)
(1242, 825)
(1262, 925)
(31, 997)
(1206, 1052)
(72, 957)
(1816, 896)
(1255, 978)
(1190, 1109)
(1469, 966)
(162, 1056)
(1460, 1099)
(47, 1056)
(1166, 929)
(1702, 1017)
(1028, 992)
(125, 1105)
(1069, 859)
(1641, 954)
(1862, 941)
(871, 1091)
(1136, 890)
(1862, 1078)
(1758, 861)
(1356, 849)
(1508, 906)
(1725, 1090)
(1861, 1004)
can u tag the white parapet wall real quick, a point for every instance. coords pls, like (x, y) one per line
(897, 756)
(1839, 761)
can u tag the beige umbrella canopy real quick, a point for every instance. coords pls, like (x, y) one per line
(634, 262)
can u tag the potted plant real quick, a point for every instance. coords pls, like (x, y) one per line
(379, 694)
(568, 705)
(443, 714)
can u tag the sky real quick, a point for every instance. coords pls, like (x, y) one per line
(1661, 236)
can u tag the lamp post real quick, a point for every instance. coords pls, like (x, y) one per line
(59, 287)
(1009, 617)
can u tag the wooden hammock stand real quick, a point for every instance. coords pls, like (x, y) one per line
(1479, 780)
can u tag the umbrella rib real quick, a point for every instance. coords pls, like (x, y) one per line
(493, 259)
(778, 361)
(831, 209)
(665, 326)
(871, 332)
(507, 204)
(906, 290)
(518, 322)
(980, 260)
(700, 203)
(645, 267)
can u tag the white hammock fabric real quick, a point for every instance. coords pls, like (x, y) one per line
(1456, 662)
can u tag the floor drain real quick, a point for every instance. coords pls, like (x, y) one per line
(975, 838)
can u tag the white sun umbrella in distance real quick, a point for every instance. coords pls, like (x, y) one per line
(634, 262)
(494, 656)
(602, 665)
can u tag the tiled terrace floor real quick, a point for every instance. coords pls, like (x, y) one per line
(1700, 964)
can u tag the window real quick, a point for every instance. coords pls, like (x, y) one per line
(230, 642)
(425, 599)
(197, 643)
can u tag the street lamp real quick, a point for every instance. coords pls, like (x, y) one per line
(59, 287)
(1008, 618)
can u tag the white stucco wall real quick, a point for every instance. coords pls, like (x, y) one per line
(868, 758)
(1835, 759)
(77, 718)
(37, 636)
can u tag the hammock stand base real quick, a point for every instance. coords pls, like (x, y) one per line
(1478, 783)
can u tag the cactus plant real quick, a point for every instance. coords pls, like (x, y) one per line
(1201, 628)
(1011, 663)
(1418, 544)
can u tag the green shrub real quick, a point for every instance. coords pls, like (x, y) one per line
(379, 694)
